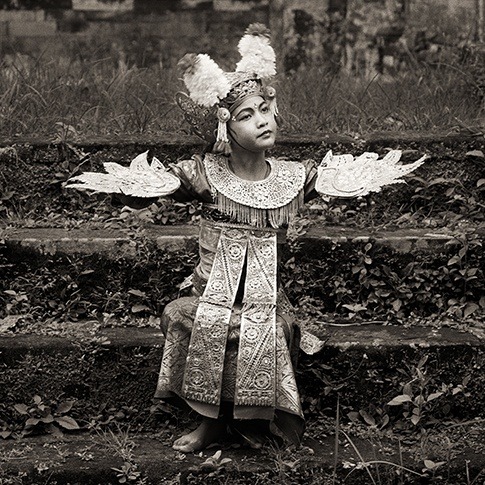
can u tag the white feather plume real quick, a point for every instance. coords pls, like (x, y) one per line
(206, 81)
(257, 55)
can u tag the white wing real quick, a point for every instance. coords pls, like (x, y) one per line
(346, 176)
(140, 179)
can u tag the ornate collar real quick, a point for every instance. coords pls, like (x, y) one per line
(282, 185)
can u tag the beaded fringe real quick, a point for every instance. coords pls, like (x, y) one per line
(245, 214)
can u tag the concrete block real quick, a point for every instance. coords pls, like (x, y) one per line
(97, 5)
(187, 24)
(239, 6)
(33, 29)
(20, 15)
(199, 4)
(158, 7)
(39, 15)
(3, 30)
(4, 15)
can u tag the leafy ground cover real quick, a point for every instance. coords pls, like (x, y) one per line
(414, 416)
(386, 444)
(447, 192)
(72, 100)
(356, 280)
(364, 456)
(327, 281)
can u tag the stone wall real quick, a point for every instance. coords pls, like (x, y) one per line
(357, 35)
(145, 31)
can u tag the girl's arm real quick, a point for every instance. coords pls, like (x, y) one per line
(141, 184)
(193, 185)
(310, 181)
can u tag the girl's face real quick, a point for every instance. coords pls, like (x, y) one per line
(253, 125)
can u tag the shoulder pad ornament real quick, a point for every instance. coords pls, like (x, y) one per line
(346, 176)
(140, 179)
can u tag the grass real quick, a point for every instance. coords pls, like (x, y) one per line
(72, 98)
(99, 94)
(92, 97)
(425, 99)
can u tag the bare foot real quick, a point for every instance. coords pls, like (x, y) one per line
(208, 432)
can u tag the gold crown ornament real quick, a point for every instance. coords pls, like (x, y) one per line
(214, 94)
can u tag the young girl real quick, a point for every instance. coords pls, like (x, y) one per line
(231, 345)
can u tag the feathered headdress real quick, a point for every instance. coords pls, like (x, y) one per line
(257, 55)
(213, 93)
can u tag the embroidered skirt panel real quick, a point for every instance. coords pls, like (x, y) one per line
(177, 324)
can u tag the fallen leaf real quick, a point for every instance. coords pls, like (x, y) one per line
(9, 322)
(475, 153)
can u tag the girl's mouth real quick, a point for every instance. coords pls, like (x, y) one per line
(265, 133)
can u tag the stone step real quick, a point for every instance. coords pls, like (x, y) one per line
(367, 365)
(386, 273)
(99, 457)
(114, 242)
(110, 374)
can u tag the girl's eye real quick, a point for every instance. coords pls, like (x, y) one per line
(264, 109)
(244, 117)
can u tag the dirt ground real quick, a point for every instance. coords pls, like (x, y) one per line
(454, 455)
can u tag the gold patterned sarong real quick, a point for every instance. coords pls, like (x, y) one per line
(219, 350)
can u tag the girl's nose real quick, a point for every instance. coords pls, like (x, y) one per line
(261, 119)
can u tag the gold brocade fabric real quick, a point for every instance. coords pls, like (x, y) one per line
(220, 349)
(255, 370)
(263, 359)
(271, 202)
(234, 339)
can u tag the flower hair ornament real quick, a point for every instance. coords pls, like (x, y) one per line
(214, 94)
